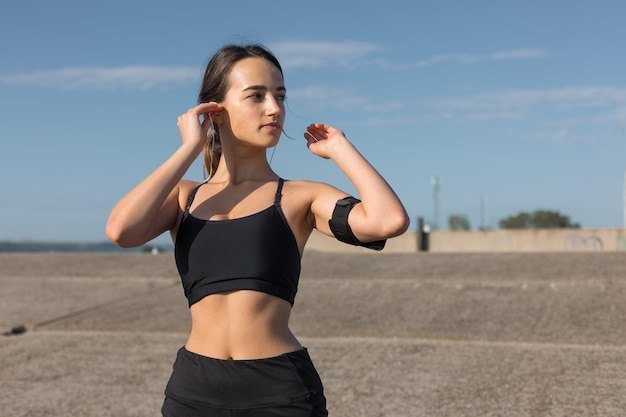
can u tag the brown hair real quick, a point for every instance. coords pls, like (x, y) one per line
(215, 85)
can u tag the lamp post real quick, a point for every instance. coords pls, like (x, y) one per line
(435, 182)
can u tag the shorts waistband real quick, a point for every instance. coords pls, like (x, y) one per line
(300, 353)
(243, 383)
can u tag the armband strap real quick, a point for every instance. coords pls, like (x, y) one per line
(341, 229)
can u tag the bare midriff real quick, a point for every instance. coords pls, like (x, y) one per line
(241, 325)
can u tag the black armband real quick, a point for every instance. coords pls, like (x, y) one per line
(341, 229)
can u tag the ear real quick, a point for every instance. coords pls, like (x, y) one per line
(217, 117)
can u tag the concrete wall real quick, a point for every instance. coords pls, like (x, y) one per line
(542, 240)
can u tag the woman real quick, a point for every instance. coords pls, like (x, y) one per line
(239, 237)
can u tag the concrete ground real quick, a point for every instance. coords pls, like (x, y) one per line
(391, 334)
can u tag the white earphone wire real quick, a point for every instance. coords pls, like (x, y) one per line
(212, 133)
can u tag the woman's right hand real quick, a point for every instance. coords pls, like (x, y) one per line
(192, 130)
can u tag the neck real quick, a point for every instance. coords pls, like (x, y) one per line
(235, 170)
(242, 161)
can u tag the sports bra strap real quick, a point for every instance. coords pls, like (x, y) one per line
(279, 192)
(192, 195)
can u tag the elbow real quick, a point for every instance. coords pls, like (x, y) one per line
(397, 223)
(115, 233)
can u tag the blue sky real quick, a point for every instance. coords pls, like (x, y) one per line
(514, 106)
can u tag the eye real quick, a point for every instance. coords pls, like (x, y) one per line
(256, 96)
(281, 97)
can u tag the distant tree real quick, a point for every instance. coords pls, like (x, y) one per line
(458, 222)
(519, 221)
(539, 219)
(546, 219)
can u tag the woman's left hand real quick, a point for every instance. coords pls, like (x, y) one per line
(320, 139)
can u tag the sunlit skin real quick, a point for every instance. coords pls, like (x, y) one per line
(247, 324)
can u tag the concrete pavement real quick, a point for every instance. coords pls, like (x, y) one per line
(391, 334)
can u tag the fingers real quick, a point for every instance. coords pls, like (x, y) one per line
(321, 131)
(317, 132)
(204, 109)
(310, 139)
(210, 107)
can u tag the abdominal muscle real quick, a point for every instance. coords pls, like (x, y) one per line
(241, 324)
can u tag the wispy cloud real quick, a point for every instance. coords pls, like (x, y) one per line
(520, 54)
(613, 116)
(546, 114)
(464, 58)
(131, 77)
(563, 98)
(343, 99)
(455, 58)
(305, 54)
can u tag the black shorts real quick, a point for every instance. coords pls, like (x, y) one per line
(287, 385)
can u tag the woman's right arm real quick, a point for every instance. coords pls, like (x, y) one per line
(152, 207)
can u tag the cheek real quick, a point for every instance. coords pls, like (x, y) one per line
(239, 122)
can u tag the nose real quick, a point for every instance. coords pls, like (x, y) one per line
(274, 106)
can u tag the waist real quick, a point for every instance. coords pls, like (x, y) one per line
(241, 324)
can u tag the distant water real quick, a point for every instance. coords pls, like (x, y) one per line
(32, 246)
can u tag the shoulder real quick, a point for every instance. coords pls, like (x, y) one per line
(307, 187)
(185, 188)
(315, 195)
(187, 185)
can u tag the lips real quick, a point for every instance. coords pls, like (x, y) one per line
(273, 125)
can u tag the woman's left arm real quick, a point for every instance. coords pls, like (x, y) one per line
(380, 215)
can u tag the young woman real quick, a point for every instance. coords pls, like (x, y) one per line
(239, 237)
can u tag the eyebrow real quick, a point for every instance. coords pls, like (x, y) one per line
(263, 88)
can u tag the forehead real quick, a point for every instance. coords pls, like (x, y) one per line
(255, 71)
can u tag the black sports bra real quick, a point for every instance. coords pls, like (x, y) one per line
(256, 252)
